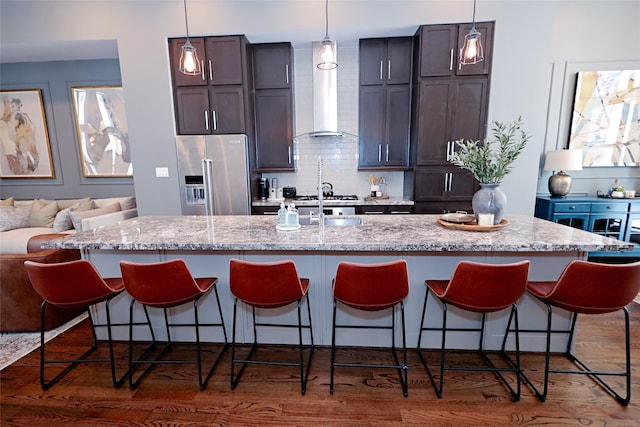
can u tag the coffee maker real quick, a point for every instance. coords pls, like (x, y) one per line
(263, 188)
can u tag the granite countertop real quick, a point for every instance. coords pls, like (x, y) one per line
(391, 201)
(379, 233)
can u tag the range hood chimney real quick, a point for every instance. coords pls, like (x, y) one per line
(325, 99)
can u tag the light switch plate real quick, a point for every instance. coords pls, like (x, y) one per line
(162, 172)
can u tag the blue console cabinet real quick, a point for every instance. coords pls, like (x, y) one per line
(615, 218)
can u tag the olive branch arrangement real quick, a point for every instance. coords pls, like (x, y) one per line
(490, 161)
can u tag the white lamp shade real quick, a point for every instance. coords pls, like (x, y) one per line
(563, 160)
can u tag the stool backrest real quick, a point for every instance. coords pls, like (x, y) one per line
(67, 284)
(590, 287)
(487, 287)
(371, 286)
(158, 284)
(265, 283)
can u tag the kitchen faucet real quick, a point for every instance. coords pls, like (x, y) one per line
(320, 197)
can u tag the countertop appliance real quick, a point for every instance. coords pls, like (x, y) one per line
(214, 173)
(289, 192)
(332, 197)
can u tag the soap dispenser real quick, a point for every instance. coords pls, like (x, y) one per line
(292, 215)
(282, 214)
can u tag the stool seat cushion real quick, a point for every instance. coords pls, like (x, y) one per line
(371, 287)
(591, 288)
(163, 284)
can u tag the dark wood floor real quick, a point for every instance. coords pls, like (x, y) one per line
(271, 395)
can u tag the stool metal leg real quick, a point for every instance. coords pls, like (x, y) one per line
(401, 368)
(583, 368)
(515, 367)
(117, 382)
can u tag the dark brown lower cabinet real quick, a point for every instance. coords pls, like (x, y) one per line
(439, 189)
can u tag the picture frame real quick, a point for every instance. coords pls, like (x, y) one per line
(605, 122)
(101, 129)
(24, 139)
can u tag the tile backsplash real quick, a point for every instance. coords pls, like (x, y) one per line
(339, 154)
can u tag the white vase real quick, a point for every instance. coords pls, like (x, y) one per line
(489, 199)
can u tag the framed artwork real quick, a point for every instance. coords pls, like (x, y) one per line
(101, 126)
(26, 150)
(605, 123)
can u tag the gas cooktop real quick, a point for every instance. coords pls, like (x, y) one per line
(334, 197)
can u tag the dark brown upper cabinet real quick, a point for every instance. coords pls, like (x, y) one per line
(385, 103)
(273, 98)
(272, 65)
(440, 47)
(217, 101)
(221, 59)
(447, 110)
(385, 61)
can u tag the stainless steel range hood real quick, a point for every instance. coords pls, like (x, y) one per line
(325, 99)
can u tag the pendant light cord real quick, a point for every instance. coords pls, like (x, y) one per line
(473, 21)
(186, 24)
(326, 19)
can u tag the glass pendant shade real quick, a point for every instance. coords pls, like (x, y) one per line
(189, 62)
(327, 57)
(472, 51)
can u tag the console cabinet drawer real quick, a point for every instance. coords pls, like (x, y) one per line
(609, 207)
(572, 207)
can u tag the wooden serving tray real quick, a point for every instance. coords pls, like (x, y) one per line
(472, 226)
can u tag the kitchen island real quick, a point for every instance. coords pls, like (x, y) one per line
(431, 251)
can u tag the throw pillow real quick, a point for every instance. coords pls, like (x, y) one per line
(63, 221)
(68, 203)
(7, 202)
(13, 217)
(77, 217)
(43, 214)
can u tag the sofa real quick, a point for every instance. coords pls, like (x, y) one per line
(24, 226)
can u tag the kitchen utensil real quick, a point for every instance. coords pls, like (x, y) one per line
(458, 217)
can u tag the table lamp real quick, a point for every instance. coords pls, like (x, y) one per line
(562, 160)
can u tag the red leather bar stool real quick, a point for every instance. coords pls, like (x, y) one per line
(588, 288)
(372, 287)
(73, 285)
(479, 288)
(265, 286)
(164, 285)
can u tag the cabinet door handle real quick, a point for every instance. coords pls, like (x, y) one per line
(389, 70)
(379, 153)
(451, 60)
(206, 119)
(214, 119)
(210, 70)
(286, 71)
(460, 63)
(450, 181)
(387, 153)
(202, 70)
(381, 70)
(446, 182)
(289, 154)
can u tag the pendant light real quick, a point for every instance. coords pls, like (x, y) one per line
(189, 62)
(472, 51)
(328, 47)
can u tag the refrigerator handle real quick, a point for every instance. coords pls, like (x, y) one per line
(207, 179)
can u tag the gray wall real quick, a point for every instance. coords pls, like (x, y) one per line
(55, 80)
(538, 44)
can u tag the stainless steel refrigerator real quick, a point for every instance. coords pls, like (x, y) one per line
(214, 174)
